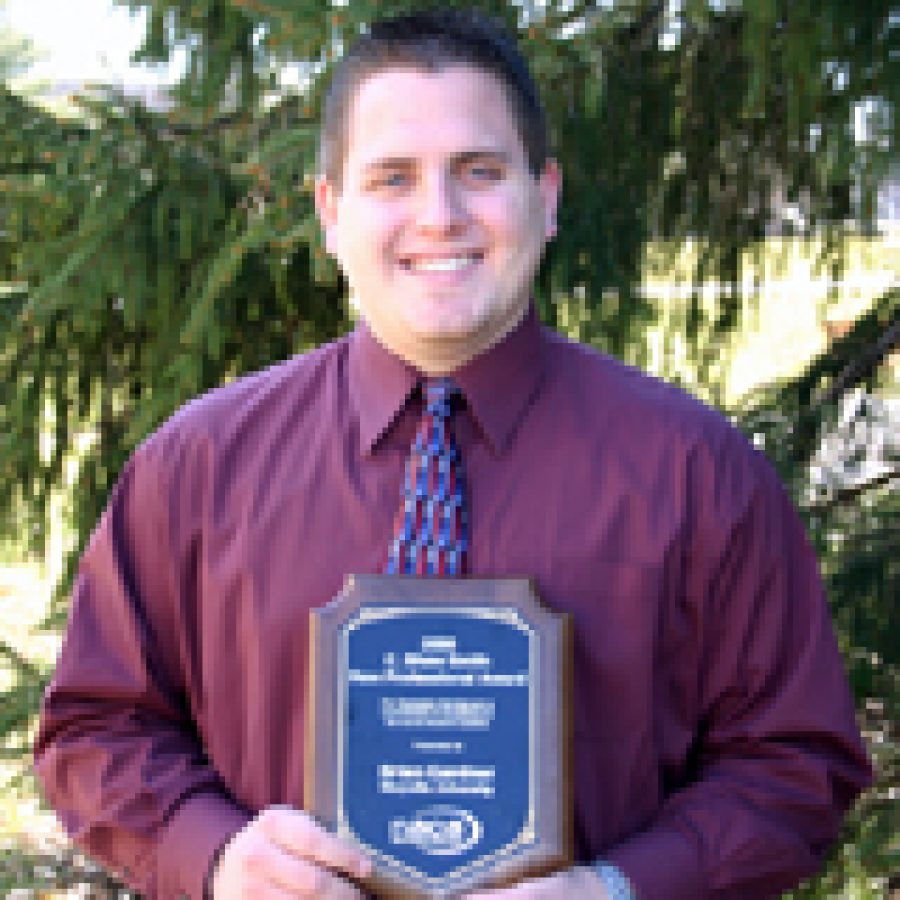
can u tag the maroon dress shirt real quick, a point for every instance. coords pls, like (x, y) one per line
(715, 747)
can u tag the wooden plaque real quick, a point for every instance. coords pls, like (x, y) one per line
(438, 733)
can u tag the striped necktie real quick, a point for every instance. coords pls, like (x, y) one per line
(431, 531)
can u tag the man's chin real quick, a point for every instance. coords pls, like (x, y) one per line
(460, 332)
(453, 329)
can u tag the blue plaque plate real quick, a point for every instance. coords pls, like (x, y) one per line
(434, 709)
(432, 701)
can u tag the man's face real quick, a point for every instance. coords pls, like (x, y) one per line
(439, 226)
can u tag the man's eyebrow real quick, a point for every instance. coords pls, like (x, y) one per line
(466, 156)
(500, 156)
(390, 162)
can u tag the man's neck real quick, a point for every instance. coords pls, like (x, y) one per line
(445, 355)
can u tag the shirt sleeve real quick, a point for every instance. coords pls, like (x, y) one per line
(777, 756)
(118, 750)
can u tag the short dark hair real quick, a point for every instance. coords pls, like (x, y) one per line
(431, 40)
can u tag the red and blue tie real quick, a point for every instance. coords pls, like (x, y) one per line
(431, 532)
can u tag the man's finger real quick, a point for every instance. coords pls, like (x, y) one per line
(300, 834)
(302, 877)
(282, 869)
(339, 889)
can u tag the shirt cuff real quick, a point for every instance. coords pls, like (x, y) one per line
(194, 833)
(660, 863)
(617, 885)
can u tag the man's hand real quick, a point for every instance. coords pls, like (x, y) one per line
(284, 853)
(578, 883)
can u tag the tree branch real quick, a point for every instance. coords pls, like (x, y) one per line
(850, 493)
(859, 367)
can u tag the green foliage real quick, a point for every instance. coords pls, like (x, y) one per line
(149, 254)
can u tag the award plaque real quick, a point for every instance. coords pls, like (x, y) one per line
(438, 731)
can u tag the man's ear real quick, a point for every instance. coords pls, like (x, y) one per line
(550, 185)
(325, 197)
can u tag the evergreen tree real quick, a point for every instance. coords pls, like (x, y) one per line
(152, 253)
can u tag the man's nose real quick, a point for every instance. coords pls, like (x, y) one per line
(440, 207)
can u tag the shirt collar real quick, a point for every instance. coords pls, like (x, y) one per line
(498, 385)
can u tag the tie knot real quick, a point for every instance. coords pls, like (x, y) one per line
(440, 394)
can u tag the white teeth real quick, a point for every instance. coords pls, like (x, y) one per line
(449, 264)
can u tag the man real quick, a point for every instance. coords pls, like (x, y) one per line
(715, 748)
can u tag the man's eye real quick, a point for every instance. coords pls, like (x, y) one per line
(485, 173)
(391, 179)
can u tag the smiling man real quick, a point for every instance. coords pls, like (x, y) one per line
(436, 218)
(715, 748)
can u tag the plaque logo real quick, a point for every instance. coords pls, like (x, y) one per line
(438, 830)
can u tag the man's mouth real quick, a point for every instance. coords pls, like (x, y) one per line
(446, 263)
